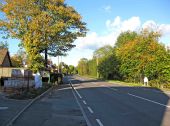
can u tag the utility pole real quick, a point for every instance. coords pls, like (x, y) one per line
(97, 62)
(61, 64)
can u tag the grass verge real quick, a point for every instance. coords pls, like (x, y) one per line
(124, 83)
(88, 76)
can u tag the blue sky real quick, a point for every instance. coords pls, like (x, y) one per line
(107, 18)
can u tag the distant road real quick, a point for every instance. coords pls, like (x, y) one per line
(106, 104)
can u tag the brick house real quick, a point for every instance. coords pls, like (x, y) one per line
(5, 60)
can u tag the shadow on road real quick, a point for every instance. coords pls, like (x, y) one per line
(125, 106)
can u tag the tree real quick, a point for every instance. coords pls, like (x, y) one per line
(3, 45)
(125, 37)
(19, 59)
(103, 51)
(144, 56)
(16, 61)
(71, 69)
(83, 66)
(42, 25)
(92, 67)
(107, 62)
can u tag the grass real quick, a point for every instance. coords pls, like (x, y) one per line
(114, 81)
(135, 84)
(89, 76)
(124, 83)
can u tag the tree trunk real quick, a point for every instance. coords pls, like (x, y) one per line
(46, 59)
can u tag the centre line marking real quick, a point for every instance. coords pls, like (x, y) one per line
(91, 111)
(78, 94)
(112, 88)
(99, 122)
(84, 102)
(81, 108)
(148, 100)
(3, 108)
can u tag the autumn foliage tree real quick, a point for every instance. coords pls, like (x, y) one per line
(144, 56)
(135, 55)
(42, 26)
(3, 45)
(19, 59)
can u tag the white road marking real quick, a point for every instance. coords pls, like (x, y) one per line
(78, 94)
(81, 108)
(91, 111)
(3, 108)
(93, 82)
(113, 88)
(99, 122)
(157, 91)
(76, 90)
(84, 102)
(148, 100)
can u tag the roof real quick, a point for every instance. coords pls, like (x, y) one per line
(3, 53)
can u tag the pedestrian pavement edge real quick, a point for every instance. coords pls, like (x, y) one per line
(10, 123)
(84, 115)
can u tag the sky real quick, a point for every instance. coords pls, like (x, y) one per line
(106, 19)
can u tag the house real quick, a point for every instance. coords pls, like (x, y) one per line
(5, 60)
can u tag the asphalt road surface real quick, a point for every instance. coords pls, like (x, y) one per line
(106, 104)
(85, 102)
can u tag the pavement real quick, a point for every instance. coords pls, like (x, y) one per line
(107, 104)
(58, 108)
(9, 108)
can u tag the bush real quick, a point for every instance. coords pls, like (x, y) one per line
(32, 93)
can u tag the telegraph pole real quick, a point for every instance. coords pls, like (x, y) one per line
(97, 62)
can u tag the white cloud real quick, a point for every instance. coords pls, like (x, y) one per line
(94, 41)
(74, 56)
(113, 25)
(150, 24)
(117, 25)
(86, 45)
(89, 41)
(114, 28)
(108, 8)
(163, 28)
(131, 24)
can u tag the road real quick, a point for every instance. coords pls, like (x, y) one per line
(87, 102)
(106, 104)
